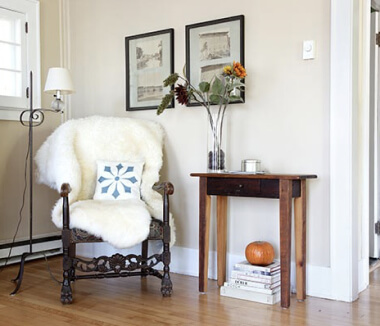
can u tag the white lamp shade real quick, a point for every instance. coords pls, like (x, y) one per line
(59, 79)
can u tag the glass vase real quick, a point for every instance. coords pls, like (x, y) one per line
(216, 140)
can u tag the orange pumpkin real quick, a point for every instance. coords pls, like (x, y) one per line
(259, 253)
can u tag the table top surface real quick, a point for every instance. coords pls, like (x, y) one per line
(246, 175)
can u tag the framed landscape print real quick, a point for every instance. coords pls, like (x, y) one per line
(212, 45)
(149, 60)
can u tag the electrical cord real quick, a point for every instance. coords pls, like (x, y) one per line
(21, 209)
(20, 220)
(50, 272)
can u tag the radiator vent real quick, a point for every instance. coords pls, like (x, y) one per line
(49, 246)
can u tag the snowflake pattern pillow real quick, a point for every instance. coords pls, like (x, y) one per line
(118, 180)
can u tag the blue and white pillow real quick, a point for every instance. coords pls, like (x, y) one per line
(118, 180)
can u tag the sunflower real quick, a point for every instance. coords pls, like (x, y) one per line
(227, 70)
(239, 70)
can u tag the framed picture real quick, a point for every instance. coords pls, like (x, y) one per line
(212, 45)
(149, 60)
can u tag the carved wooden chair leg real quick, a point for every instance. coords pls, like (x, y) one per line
(144, 255)
(66, 292)
(166, 283)
(72, 253)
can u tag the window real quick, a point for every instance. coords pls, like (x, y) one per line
(12, 57)
(19, 54)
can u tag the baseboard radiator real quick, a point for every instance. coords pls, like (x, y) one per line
(44, 246)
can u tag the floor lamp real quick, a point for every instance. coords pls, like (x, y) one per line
(59, 83)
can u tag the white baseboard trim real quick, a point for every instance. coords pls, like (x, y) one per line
(35, 255)
(363, 274)
(48, 248)
(186, 261)
(318, 281)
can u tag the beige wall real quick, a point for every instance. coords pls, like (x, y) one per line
(284, 122)
(13, 146)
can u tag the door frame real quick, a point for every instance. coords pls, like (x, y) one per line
(349, 148)
(374, 250)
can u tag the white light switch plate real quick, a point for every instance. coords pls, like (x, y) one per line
(308, 50)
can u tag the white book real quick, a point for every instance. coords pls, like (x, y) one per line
(250, 288)
(273, 273)
(255, 277)
(231, 292)
(254, 284)
(246, 266)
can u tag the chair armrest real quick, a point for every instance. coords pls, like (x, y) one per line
(65, 190)
(167, 187)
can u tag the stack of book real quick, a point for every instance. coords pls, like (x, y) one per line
(254, 283)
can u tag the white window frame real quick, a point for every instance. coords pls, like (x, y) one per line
(31, 9)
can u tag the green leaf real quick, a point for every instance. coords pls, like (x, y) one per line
(217, 87)
(165, 103)
(171, 80)
(204, 87)
(215, 99)
(234, 98)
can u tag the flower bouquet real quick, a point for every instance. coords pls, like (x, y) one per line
(214, 96)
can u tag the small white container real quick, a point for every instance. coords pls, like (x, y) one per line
(251, 165)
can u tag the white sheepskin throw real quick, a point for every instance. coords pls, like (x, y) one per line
(69, 155)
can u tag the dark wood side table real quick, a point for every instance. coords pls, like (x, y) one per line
(281, 186)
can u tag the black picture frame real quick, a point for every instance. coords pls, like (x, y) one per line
(226, 35)
(149, 59)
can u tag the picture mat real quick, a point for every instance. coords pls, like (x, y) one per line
(151, 76)
(233, 27)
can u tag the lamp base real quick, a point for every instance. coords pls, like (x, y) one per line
(18, 279)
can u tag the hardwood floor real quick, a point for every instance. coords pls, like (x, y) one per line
(132, 301)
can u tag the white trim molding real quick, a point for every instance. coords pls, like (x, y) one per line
(65, 58)
(367, 174)
(343, 242)
(185, 261)
(348, 129)
(31, 11)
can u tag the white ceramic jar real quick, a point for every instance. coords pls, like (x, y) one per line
(250, 165)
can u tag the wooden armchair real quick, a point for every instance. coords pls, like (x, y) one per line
(92, 207)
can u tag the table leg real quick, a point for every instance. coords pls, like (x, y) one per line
(204, 233)
(221, 209)
(285, 239)
(300, 241)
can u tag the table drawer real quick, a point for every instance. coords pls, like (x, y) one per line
(233, 187)
(267, 188)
